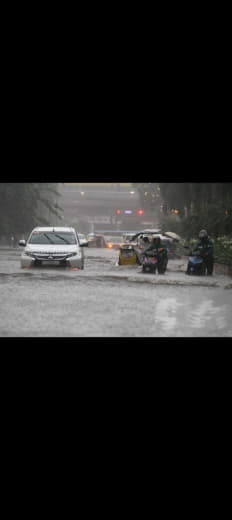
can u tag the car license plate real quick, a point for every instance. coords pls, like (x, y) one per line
(51, 262)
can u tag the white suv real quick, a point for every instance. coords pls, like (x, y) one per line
(53, 246)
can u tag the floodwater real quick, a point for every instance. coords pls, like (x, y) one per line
(107, 300)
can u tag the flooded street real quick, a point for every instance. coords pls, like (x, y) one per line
(107, 300)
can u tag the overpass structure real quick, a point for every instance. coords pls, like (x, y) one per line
(105, 205)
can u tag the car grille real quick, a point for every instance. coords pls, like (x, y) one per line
(57, 257)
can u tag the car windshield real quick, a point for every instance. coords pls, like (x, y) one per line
(128, 238)
(50, 237)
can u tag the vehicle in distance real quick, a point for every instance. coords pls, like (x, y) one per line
(82, 238)
(114, 242)
(53, 246)
(96, 240)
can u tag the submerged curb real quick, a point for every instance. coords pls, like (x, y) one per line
(163, 281)
(139, 278)
(156, 280)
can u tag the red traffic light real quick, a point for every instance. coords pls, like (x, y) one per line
(118, 211)
(140, 212)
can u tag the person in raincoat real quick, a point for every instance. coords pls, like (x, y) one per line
(159, 249)
(206, 250)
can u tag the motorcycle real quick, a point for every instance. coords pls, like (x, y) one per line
(154, 260)
(196, 264)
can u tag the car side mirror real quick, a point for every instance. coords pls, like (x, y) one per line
(22, 243)
(84, 244)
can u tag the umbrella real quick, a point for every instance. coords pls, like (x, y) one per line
(172, 235)
(146, 232)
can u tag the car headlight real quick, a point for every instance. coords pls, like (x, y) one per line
(77, 253)
(29, 254)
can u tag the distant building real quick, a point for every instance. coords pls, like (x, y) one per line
(110, 205)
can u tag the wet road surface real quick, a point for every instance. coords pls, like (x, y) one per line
(107, 300)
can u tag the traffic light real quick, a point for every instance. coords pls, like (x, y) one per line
(140, 212)
(118, 211)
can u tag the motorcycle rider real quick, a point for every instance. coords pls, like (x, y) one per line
(159, 249)
(146, 241)
(206, 250)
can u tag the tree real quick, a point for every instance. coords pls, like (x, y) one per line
(149, 195)
(200, 205)
(190, 197)
(26, 205)
(48, 208)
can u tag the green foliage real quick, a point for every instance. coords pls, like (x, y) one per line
(216, 218)
(192, 197)
(223, 250)
(212, 217)
(149, 195)
(26, 205)
(171, 223)
(201, 206)
(175, 195)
